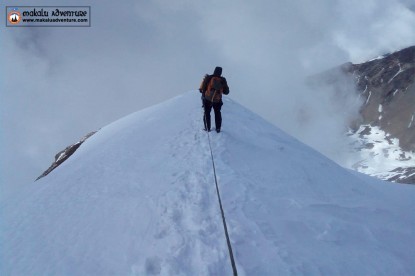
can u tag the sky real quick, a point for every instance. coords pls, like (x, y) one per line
(58, 84)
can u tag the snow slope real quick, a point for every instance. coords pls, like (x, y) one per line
(139, 198)
(380, 155)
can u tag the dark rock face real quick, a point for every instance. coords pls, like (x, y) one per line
(403, 175)
(63, 155)
(387, 86)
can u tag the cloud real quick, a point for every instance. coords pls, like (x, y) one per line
(377, 27)
(61, 83)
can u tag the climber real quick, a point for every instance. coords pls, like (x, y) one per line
(212, 88)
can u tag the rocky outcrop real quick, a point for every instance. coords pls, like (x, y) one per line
(385, 130)
(403, 175)
(63, 155)
(387, 86)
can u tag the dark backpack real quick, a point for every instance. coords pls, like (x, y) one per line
(214, 89)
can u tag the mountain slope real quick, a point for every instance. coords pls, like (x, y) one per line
(387, 84)
(138, 197)
(382, 139)
(387, 132)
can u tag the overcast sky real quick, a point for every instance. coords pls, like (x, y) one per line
(60, 83)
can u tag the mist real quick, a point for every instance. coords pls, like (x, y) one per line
(60, 83)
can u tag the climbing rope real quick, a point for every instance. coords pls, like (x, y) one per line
(235, 272)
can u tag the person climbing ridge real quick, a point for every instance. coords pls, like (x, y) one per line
(212, 88)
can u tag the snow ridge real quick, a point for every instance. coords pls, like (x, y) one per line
(139, 198)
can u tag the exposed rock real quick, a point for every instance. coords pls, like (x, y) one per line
(63, 155)
(401, 175)
(386, 87)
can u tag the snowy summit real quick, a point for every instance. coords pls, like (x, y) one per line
(139, 198)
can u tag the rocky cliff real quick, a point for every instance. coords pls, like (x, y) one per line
(384, 134)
